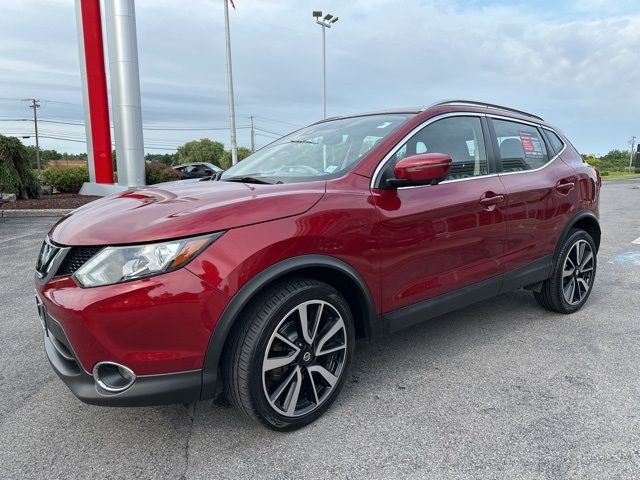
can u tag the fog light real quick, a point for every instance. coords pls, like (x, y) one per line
(113, 377)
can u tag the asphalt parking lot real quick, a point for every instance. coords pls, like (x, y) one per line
(501, 389)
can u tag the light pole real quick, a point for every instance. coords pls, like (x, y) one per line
(632, 144)
(325, 23)
(232, 112)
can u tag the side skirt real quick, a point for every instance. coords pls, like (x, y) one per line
(528, 275)
(525, 276)
(419, 312)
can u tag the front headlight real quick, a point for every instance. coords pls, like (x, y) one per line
(118, 264)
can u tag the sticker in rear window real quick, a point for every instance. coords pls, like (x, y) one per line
(531, 145)
(330, 169)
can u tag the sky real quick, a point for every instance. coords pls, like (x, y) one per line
(575, 63)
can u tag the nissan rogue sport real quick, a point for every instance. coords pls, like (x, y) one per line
(260, 281)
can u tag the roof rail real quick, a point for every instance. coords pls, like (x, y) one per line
(486, 105)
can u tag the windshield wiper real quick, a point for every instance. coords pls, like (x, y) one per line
(303, 141)
(246, 179)
(212, 178)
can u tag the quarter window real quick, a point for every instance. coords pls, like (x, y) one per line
(458, 137)
(521, 146)
(556, 144)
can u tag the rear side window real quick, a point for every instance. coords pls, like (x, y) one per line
(556, 144)
(521, 146)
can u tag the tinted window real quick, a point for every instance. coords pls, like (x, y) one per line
(459, 137)
(521, 146)
(556, 144)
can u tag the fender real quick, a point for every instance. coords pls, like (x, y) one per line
(255, 285)
(570, 224)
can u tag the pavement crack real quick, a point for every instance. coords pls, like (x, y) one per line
(191, 413)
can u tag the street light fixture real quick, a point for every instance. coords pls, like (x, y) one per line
(325, 23)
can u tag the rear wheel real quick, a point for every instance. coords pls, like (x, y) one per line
(573, 275)
(287, 362)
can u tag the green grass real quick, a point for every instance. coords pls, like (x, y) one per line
(620, 175)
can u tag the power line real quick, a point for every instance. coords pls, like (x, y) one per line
(270, 131)
(152, 127)
(191, 128)
(66, 138)
(272, 137)
(277, 121)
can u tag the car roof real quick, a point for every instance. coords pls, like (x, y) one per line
(453, 105)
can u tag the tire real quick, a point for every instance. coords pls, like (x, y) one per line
(557, 293)
(270, 362)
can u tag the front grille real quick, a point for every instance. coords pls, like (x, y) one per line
(76, 257)
(48, 252)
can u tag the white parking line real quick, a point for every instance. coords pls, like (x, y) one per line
(636, 241)
(11, 239)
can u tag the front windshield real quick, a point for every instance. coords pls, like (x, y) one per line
(321, 151)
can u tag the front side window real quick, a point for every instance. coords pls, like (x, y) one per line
(321, 151)
(459, 137)
(521, 146)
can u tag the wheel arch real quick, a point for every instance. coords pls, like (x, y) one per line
(585, 220)
(331, 270)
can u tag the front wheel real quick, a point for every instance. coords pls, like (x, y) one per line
(573, 275)
(287, 362)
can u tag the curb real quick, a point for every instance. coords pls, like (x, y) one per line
(35, 212)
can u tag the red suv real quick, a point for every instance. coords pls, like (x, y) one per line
(261, 280)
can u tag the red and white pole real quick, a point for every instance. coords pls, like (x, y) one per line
(85, 93)
(96, 81)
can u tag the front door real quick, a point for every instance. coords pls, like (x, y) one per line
(436, 239)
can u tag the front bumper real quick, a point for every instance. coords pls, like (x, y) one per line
(183, 387)
(158, 327)
(179, 387)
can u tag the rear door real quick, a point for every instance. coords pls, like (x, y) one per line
(436, 239)
(540, 191)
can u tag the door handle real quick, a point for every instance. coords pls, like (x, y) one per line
(565, 187)
(488, 201)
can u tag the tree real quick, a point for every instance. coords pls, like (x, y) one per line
(164, 158)
(225, 161)
(592, 160)
(15, 175)
(45, 156)
(204, 150)
(615, 160)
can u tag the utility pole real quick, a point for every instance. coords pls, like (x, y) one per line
(253, 135)
(632, 143)
(232, 112)
(35, 104)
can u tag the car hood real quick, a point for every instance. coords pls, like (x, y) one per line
(180, 209)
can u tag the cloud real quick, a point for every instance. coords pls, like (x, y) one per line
(573, 64)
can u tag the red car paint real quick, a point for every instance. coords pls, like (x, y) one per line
(407, 245)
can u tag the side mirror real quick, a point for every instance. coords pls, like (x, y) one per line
(421, 169)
